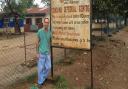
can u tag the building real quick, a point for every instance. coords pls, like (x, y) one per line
(32, 21)
(35, 17)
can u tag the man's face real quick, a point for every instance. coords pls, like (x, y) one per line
(46, 24)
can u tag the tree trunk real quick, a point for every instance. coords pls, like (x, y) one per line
(107, 25)
(125, 20)
(117, 26)
(17, 27)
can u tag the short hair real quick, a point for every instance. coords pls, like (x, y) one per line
(46, 20)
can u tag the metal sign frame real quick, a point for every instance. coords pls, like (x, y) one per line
(91, 58)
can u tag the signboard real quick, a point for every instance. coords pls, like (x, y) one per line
(70, 23)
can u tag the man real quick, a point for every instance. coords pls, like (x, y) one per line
(43, 52)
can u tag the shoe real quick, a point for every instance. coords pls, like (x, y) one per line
(46, 79)
(40, 85)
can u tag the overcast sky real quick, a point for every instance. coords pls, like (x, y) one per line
(38, 2)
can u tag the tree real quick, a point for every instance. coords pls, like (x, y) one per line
(16, 9)
(110, 8)
(126, 10)
(46, 2)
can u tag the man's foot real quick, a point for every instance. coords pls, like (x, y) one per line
(41, 85)
(46, 79)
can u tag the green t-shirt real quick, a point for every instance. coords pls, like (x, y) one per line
(44, 37)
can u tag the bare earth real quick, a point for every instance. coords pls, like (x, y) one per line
(110, 60)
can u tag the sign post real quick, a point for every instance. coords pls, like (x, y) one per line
(71, 25)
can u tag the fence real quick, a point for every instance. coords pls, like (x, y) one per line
(15, 51)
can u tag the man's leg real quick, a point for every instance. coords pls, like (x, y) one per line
(47, 65)
(41, 69)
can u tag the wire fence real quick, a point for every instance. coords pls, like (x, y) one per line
(16, 51)
(18, 57)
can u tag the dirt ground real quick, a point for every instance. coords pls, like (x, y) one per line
(110, 60)
(12, 55)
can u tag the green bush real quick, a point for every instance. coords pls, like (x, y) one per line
(60, 83)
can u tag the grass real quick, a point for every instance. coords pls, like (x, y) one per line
(60, 83)
(31, 78)
(33, 87)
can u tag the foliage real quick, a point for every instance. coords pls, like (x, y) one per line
(16, 8)
(61, 83)
(34, 87)
(31, 78)
(46, 2)
(109, 7)
(110, 10)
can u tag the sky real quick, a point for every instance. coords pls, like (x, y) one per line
(38, 2)
(0, 6)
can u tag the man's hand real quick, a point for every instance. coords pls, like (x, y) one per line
(37, 48)
(37, 55)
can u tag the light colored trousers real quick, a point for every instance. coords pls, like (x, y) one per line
(44, 67)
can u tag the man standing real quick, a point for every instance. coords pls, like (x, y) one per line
(43, 52)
